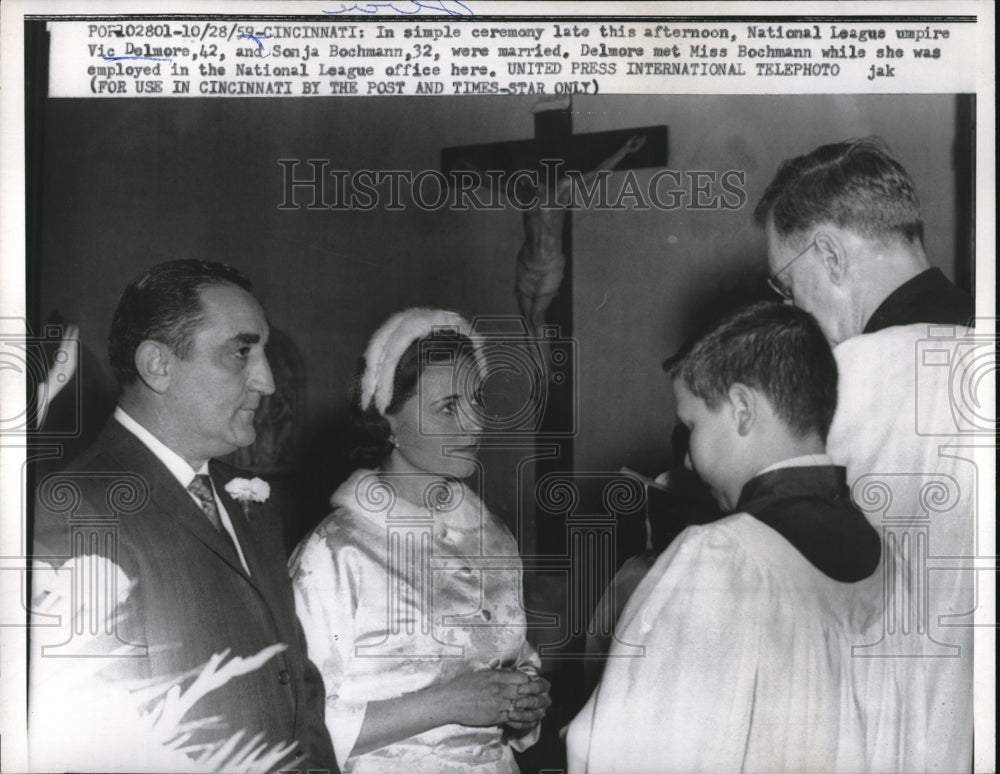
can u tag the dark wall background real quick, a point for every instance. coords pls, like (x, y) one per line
(645, 282)
(128, 184)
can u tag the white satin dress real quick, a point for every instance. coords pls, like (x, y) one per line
(395, 597)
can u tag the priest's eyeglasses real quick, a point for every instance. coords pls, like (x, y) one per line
(777, 284)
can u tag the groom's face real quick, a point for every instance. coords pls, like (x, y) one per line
(216, 389)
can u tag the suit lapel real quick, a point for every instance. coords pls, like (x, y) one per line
(244, 532)
(166, 494)
(260, 572)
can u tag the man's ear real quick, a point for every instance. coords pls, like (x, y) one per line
(152, 361)
(744, 407)
(832, 249)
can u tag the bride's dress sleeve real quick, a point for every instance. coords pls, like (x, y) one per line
(326, 586)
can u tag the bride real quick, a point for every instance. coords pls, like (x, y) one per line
(410, 591)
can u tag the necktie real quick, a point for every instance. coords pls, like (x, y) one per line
(201, 487)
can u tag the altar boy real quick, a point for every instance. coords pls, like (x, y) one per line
(748, 622)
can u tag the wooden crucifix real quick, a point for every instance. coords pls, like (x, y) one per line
(544, 262)
(549, 227)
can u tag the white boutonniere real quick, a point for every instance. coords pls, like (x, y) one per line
(246, 491)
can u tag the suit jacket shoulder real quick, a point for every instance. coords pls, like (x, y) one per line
(190, 597)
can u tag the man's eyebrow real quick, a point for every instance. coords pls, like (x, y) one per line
(246, 338)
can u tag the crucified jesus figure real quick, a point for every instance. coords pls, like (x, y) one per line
(541, 261)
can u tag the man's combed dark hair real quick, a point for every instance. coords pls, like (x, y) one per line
(777, 349)
(163, 305)
(856, 185)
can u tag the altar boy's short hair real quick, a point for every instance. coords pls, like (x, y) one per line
(777, 349)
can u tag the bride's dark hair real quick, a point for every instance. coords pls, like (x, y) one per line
(370, 430)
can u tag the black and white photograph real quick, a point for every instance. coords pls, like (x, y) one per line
(498, 387)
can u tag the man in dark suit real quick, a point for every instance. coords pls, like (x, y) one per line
(207, 573)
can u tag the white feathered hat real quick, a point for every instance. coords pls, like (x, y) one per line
(391, 340)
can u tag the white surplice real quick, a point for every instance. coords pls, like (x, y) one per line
(395, 597)
(906, 428)
(744, 666)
